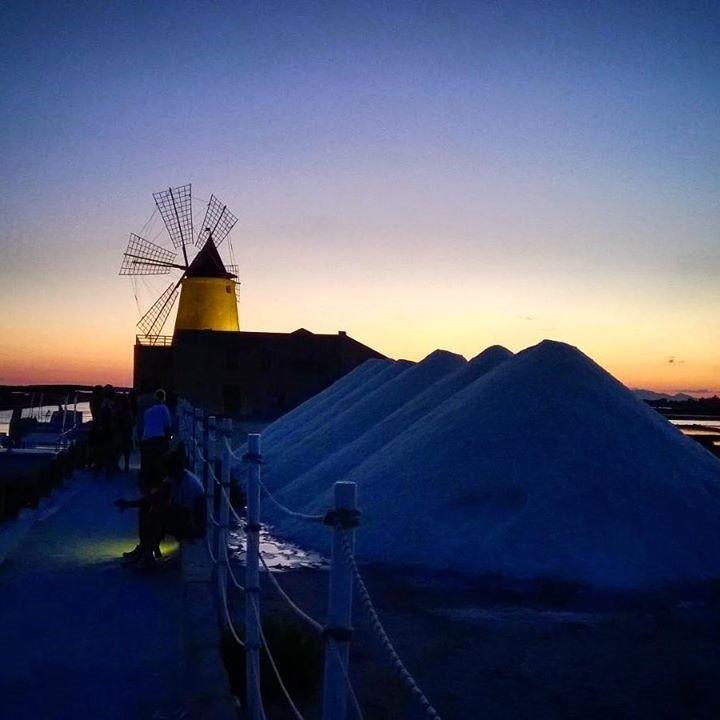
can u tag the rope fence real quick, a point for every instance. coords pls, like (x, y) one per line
(210, 456)
(287, 511)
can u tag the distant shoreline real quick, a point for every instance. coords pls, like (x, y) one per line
(12, 396)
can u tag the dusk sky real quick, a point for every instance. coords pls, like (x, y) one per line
(420, 174)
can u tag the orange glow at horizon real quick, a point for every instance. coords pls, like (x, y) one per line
(399, 321)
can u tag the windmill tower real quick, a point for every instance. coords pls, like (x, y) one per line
(207, 287)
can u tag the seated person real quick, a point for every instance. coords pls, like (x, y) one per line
(178, 508)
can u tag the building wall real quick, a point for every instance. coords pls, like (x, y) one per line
(153, 368)
(253, 375)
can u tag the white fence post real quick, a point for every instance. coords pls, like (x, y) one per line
(211, 454)
(224, 519)
(199, 448)
(339, 615)
(252, 582)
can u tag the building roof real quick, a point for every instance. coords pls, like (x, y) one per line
(299, 337)
(208, 263)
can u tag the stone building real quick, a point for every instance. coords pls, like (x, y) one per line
(248, 375)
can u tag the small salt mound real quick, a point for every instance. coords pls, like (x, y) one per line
(546, 467)
(343, 428)
(275, 452)
(297, 431)
(340, 394)
(325, 473)
(346, 384)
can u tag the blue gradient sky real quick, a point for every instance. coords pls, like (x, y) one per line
(420, 174)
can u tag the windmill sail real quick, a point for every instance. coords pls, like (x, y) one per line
(175, 206)
(153, 321)
(217, 223)
(143, 257)
(235, 270)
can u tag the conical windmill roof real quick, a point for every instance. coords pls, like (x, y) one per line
(208, 263)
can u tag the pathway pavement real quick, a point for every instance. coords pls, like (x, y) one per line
(80, 635)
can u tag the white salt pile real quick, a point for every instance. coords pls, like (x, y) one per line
(276, 452)
(545, 467)
(333, 394)
(320, 477)
(334, 431)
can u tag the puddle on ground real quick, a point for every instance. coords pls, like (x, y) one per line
(279, 555)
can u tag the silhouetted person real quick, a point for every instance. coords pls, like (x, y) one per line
(94, 446)
(106, 436)
(156, 426)
(132, 400)
(15, 429)
(96, 401)
(123, 428)
(178, 508)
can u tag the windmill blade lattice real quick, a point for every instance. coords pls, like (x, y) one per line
(218, 222)
(175, 206)
(143, 257)
(235, 270)
(153, 321)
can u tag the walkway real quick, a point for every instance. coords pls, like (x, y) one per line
(80, 635)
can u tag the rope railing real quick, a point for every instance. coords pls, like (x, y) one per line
(203, 436)
(213, 558)
(290, 602)
(382, 635)
(228, 618)
(233, 453)
(205, 461)
(287, 511)
(212, 474)
(240, 520)
(231, 574)
(273, 665)
(283, 508)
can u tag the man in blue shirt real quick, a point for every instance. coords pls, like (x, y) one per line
(154, 442)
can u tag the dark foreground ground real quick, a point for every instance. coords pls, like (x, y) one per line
(549, 653)
(81, 636)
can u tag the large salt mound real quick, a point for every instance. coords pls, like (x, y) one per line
(325, 473)
(276, 451)
(332, 394)
(546, 467)
(340, 429)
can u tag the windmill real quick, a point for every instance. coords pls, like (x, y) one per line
(207, 288)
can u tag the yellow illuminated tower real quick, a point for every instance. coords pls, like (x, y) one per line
(208, 299)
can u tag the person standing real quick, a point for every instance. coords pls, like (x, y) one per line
(123, 428)
(155, 442)
(106, 436)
